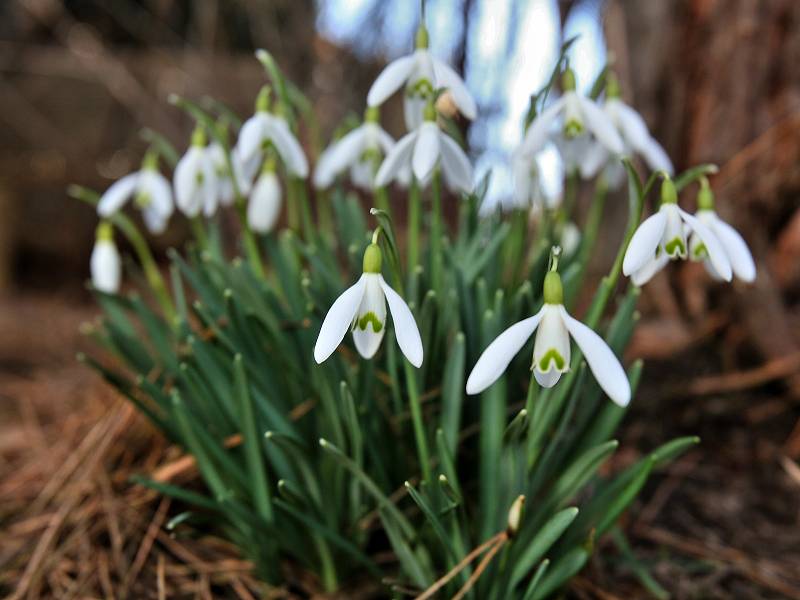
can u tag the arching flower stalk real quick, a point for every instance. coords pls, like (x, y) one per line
(105, 262)
(635, 136)
(264, 207)
(578, 118)
(739, 255)
(266, 129)
(151, 193)
(421, 75)
(362, 309)
(551, 351)
(421, 151)
(360, 151)
(195, 178)
(663, 237)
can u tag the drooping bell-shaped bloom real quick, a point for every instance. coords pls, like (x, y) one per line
(360, 151)
(635, 136)
(663, 237)
(362, 309)
(739, 255)
(422, 150)
(580, 121)
(265, 129)
(151, 193)
(551, 349)
(195, 179)
(421, 75)
(226, 190)
(264, 206)
(105, 262)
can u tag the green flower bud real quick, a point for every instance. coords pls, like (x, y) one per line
(262, 101)
(705, 197)
(668, 193)
(372, 259)
(515, 516)
(372, 114)
(553, 290)
(199, 137)
(104, 232)
(568, 80)
(422, 39)
(150, 161)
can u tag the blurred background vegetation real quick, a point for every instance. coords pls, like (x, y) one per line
(716, 80)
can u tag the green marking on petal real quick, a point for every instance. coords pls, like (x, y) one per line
(552, 355)
(142, 200)
(700, 251)
(422, 88)
(368, 318)
(675, 247)
(573, 128)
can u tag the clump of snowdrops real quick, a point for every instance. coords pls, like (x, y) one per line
(451, 445)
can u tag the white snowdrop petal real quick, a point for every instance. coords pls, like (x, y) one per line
(447, 77)
(456, 165)
(338, 157)
(656, 157)
(288, 147)
(547, 380)
(601, 360)
(252, 135)
(396, 160)
(405, 327)
(155, 222)
(495, 359)
(600, 125)
(211, 187)
(744, 267)
(633, 127)
(539, 130)
(649, 270)
(158, 189)
(426, 150)
(716, 251)
(368, 340)
(413, 111)
(264, 206)
(338, 320)
(187, 189)
(385, 141)
(117, 195)
(106, 267)
(391, 79)
(644, 242)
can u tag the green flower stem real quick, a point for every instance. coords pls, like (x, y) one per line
(293, 210)
(416, 420)
(382, 200)
(437, 232)
(412, 238)
(199, 232)
(325, 215)
(301, 199)
(249, 239)
(591, 230)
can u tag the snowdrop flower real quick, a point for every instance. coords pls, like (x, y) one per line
(422, 75)
(105, 263)
(551, 349)
(226, 190)
(265, 129)
(195, 178)
(360, 151)
(422, 150)
(362, 309)
(635, 136)
(662, 237)
(149, 189)
(264, 206)
(733, 244)
(579, 117)
(527, 181)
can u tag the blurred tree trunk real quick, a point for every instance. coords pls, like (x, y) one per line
(718, 81)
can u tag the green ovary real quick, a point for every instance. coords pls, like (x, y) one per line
(368, 318)
(552, 355)
(675, 247)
